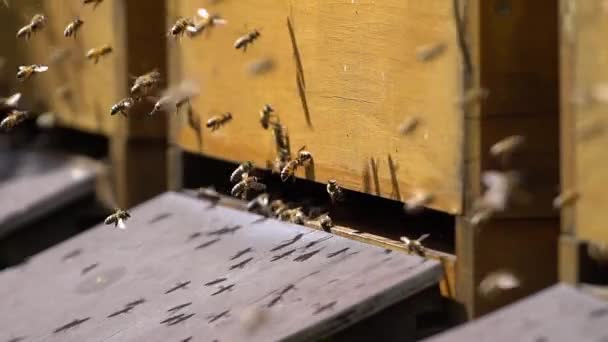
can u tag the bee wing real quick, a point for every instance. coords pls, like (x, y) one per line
(13, 100)
(220, 21)
(203, 13)
(121, 224)
(21, 68)
(423, 237)
(41, 68)
(405, 240)
(193, 29)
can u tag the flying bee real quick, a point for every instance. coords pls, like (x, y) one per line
(261, 205)
(261, 66)
(415, 246)
(72, 29)
(303, 158)
(501, 189)
(242, 169)
(218, 121)
(245, 185)
(408, 125)
(96, 53)
(175, 97)
(208, 21)
(566, 198)
(25, 72)
(334, 191)
(417, 202)
(427, 53)
(145, 83)
(265, 115)
(496, 282)
(180, 27)
(13, 119)
(472, 96)
(118, 218)
(507, 146)
(36, 24)
(10, 103)
(123, 106)
(243, 41)
(94, 2)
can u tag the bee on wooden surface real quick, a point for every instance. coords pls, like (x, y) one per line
(118, 218)
(325, 222)
(415, 246)
(10, 103)
(277, 207)
(37, 23)
(417, 202)
(507, 146)
(566, 198)
(218, 121)
(266, 115)
(295, 216)
(303, 158)
(176, 96)
(25, 72)
(145, 83)
(427, 53)
(496, 282)
(72, 29)
(242, 169)
(96, 53)
(123, 106)
(95, 3)
(408, 125)
(244, 41)
(248, 183)
(180, 27)
(13, 119)
(335, 191)
(208, 21)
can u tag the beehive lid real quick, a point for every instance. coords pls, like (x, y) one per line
(185, 268)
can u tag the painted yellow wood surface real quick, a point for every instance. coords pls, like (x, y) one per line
(362, 80)
(586, 31)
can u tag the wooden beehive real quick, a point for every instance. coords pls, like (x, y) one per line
(81, 93)
(347, 74)
(583, 127)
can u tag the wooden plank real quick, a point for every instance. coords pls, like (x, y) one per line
(590, 74)
(35, 183)
(559, 313)
(135, 30)
(362, 80)
(306, 283)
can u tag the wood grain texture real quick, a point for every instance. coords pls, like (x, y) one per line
(134, 29)
(361, 80)
(559, 313)
(35, 183)
(181, 256)
(590, 72)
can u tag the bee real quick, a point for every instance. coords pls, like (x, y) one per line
(566, 198)
(247, 183)
(497, 281)
(25, 72)
(175, 97)
(243, 41)
(417, 202)
(408, 125)
(260, 66)
(427, 53)
(265, 115)
(334, 191)
(96, 53)
(507, 146)
(72, 29)
(36, 24)
(13, 119)
(415, 246)
(277, 207)
(118, 218)
(242, 169)
(303, 158)
(123, 106)
(208, 21)
(500, 187)
(295, 216)
(325, 222)
(145, 83)
(180, 27)
(208, 193)
(94, 2)
(10, 103)
(472, 96)
(218, 121)
(261, 204)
